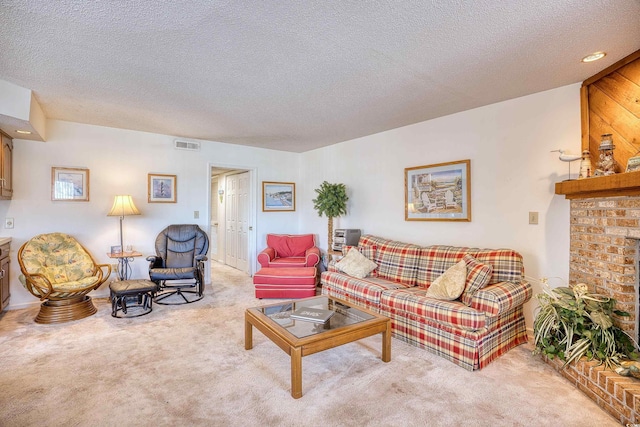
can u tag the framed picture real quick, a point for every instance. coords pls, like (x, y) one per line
(162, 188)
(278, 196)
(70, 184)
(440, 192)
(633, 164)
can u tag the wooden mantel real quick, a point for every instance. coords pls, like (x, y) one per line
(621, 184)
(610, 103)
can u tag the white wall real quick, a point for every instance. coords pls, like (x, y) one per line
(512, 173)
(119, 161)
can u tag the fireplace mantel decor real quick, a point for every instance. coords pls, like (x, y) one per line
(621, 184)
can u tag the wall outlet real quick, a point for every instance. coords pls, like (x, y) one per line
(533, 217)
(8, 223)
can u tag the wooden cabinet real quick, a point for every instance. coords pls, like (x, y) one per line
(4, 275)
(6, 161)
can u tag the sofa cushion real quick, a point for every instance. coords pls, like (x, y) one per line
(414, 303)
(289, 262)
(288, 245)
(397, 261)
(478, 275)
(365, 291)
(450, 285)
(355, 264)
(435, 260)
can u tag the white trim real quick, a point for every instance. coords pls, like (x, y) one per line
(252, 239)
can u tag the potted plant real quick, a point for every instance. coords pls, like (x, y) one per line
(331, 202)
(572, 323)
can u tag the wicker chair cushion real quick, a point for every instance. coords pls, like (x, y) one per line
(61, 259)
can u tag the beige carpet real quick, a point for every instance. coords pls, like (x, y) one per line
(186, 365)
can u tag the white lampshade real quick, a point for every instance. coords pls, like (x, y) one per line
(123, 206)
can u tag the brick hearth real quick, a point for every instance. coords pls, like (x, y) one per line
(618, 395)
(604, 254)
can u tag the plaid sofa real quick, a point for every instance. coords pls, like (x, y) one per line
(472, 333)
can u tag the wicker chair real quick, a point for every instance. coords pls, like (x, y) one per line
(61, 272)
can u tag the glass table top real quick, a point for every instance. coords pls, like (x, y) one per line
(343, 315)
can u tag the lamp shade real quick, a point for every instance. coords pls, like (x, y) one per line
(123, 206)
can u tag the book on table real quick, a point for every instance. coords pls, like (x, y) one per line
(317, 315)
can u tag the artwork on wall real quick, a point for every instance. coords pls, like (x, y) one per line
(69, 184)
(278, 196)
(633, 164)
(439, 192)
(162, 188)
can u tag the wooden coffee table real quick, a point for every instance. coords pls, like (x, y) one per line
(300, 338)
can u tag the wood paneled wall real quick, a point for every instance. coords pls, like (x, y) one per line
(610, 103)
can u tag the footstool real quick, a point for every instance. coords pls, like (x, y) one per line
(285, 282)
(132, 294)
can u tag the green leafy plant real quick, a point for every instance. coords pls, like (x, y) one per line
(331, 202)
(572, 323)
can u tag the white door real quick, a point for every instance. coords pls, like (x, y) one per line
(242, 223)
(231, 219)
(213, 239)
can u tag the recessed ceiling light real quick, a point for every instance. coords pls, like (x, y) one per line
(24, 132)
(594, 57)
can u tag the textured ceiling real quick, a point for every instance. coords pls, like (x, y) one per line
(297, 75)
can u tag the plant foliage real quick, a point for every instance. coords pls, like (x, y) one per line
(331, 200)
(572, 323)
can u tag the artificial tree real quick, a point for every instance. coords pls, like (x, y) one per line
(331, 202)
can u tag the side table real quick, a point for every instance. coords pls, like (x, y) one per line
(124, 258)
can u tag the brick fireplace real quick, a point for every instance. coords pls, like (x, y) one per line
(605, 233)
(604, 251)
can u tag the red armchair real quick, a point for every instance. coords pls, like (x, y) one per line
(289, 251)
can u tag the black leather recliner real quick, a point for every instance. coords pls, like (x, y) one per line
(180, 254)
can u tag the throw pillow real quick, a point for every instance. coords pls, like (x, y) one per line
(355, 264)
(368, 251)
(450, 285)
(478, 275)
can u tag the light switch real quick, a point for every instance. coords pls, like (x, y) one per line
(196, 214)
(533, 217)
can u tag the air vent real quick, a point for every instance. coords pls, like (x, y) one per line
(186, 145)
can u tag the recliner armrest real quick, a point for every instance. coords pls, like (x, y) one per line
(312, 256)
(266, 256)
(154, 261)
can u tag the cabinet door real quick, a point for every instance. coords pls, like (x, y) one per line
(4, 282)
(6, 181)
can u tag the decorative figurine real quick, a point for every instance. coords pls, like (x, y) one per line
(606, 164)
(585, 165)
(567, 157)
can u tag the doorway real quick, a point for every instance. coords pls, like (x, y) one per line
(231, 221)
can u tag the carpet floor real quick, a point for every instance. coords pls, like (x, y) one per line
(186, 366)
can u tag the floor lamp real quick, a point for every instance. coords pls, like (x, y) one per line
(123, 206)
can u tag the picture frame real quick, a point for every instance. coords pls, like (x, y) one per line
(633, 164)
(116, 250)
(278, 196)
(161, 188)
(438, 192)
(69, 184)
